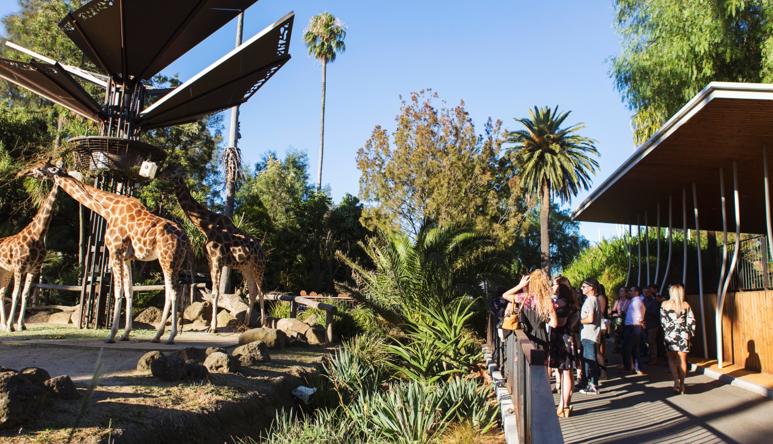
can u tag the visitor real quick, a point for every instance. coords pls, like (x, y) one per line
(618, 316)
(652, 323)
(678, 328)
(499, 308)
(632, 332)
(532, 324)
(601, 356)
(563, 352)
(558, 281)
(590, 317)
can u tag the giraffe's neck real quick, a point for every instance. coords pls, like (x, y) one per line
(201, 217)
(87, 195)
(39, 225)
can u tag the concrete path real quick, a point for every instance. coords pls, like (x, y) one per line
(640, 409)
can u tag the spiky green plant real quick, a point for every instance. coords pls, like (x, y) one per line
(475, 403)
(358, 367)
(324, 427)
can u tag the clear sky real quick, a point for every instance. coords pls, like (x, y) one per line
(500, 57)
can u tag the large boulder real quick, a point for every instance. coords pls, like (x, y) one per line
(195, 371)
(225, 320)
(150, 315)
(169, 368)
(192, 354)
(272, 337)
(75, 316)
(21, 398)
(210, 350)
(39, 317)
(234, 304)
(62, 387)
(198, 311)
(252, 353)
(219, 362)
(60, 318)
(145, 361)
(295, 329)
(316, 335)
(36, 374)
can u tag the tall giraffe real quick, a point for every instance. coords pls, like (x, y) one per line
(226, 246)
(21, 257)
(132, 233)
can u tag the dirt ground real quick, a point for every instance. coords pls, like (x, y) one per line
(126, 406)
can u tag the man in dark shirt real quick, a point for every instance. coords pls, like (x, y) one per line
(652, 322)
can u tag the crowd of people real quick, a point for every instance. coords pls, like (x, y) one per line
(574, 325)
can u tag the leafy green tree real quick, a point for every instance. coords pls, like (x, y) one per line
(566, 242)
(672, 49)
(434, 166)
(554, 161)
(324, 38)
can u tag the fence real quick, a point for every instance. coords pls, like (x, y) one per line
(523, 367)
(753, 270)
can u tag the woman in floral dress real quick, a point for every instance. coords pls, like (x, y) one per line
(678, 323)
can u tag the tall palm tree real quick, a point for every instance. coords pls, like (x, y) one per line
(324, 38)
(554, 161)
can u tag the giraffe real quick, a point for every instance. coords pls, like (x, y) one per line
(226, 246)
(132, 233)
(21, 257)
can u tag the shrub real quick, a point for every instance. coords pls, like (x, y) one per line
(474, 403)
(323, 427)
(358, 367)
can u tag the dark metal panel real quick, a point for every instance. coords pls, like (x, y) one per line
(138, 38)
(228, 82)
(53, 83)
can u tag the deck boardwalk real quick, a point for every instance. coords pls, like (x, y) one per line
(642, 409)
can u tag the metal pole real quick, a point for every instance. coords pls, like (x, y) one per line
(670, 243)
(733, 263)
(647, 246)
(723, 204)
(684, 237)
(638, 251)
(700, 271)
(628, 250)
(657, 247)
(766, 283)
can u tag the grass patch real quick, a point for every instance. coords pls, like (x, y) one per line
(45, 331)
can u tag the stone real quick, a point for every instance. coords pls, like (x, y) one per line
(192, 354)
(293, 327)
(75, 316)
(143, 364)
(210, 350)
(60, 318)
(62, 387)
(150, 315)
(225, 320)
(21, 398)
(220, 362)
(199, 325)
(198, 311)
(316, 335)
(252, 353)
(35, 374)
(168, 368)
(195, 371)
(272, 337)
(39, 317)
(234, 304)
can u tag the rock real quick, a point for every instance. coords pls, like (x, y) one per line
(60, 318)
(145, 361)
(252, 353)
(75, 317)
(199, 325)
(150, 315)
(225, 320)
(316, 335)
(194, 371)
(61, 387)
(38, 375)
(168, 368)
(198, 311)
(234, 304)
(292, 327)
(39, 317)
(21, 398)
(192, 354)
(219, 362)
(272, 337)
(211, 350)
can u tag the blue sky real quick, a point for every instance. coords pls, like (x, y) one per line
(500, 57)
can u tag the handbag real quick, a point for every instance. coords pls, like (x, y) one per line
(510, 322)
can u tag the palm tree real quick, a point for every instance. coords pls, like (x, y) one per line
(324, 38)
(554, 161)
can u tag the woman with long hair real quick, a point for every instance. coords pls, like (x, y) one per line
(678, 323)
(563, 350)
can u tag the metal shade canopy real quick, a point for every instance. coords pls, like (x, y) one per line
(52, 82)
(135, 39)
(228, 82)
(725, 122)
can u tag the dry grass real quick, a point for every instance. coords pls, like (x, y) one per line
(47, 331)
(465, 433)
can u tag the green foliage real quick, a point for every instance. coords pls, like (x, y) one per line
(566, 242)
(324, 427)
(473, 403)
(324, 37)
(607, 261)
(435, 166)
(358, 367)
(671, 50)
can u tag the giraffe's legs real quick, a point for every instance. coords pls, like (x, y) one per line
(254, 292)
(17, 284)
(25, 294)
(214, 272)
(5, 279)
(116, 264)
(128, 285)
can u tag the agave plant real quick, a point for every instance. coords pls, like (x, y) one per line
(323, 428)
(358, 367)
(472, 402)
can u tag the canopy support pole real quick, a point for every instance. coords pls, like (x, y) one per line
(657, 246)
(700, 271)
(670, 242)
(638, 250)
(647, 247)
(767, 207)
(628, 250)
(684, 237)
(731, 270)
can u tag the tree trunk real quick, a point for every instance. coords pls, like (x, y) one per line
(322, 126)
(544, 236)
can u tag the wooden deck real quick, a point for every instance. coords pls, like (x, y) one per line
(644, 409)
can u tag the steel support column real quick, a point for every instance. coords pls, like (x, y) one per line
(767, 207)
(638, 251)
(723, 208)
(700, 271)
(628, 250)
(670, 242)
(684, 237)
(647, 247)
(733, 262)
(657, 246)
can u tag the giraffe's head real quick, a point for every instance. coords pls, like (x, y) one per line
(51, 170)
(173, 175)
